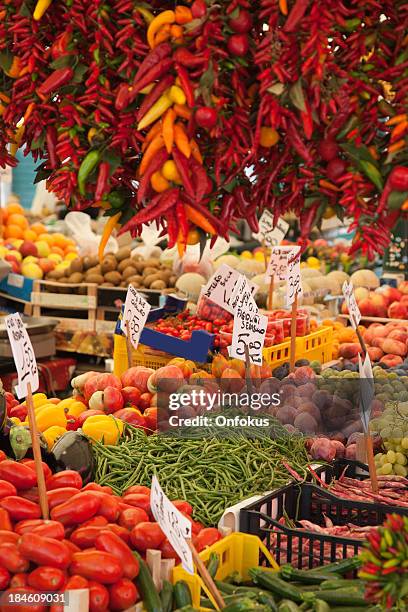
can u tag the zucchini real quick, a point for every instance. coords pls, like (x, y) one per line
(166, 596)
(213, 564)
(289, 573)
(341, 583)
(182, 594)
(267, 599)
(274, 584)
(339, 567)
(321, 606)
(242, 605)
(206, 603)
(286, 605)
(146, 587)
(186, 609)
(338, 597)
(225, 587)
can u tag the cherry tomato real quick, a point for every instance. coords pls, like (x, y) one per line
(147, 535)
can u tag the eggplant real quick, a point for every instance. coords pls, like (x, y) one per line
(3, 410)
(15, 441)
(73, 451)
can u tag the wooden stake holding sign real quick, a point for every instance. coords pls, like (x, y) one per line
(134, 318)
(270, 236)
(276, 269)
(293, 291)
(178, 531)
(28, 382)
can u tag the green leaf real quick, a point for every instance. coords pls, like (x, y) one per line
(230, 186)
(277, 89)
(42, 173)
(206, 84)
(372, 173)
(63, 62)
(359, 153)
(6, 59)
(79, 73)
(25, 11)
(396, 199)
(113, 159)
(297, 96)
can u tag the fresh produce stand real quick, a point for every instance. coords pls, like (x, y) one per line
(204, 347)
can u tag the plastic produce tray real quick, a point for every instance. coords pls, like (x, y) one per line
(238, 552)
(306, 501)
(315, 346)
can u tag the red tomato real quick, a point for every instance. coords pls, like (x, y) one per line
(130, 517)
(183, 506)
(150, 417)
(147, 535)
(8, 537)
(120, 531)
(109, 508)
(18, 580)
(139, 500)
(122, 595)
(77, 509)
(93, 486)
(6, 489)
(98, 597)
(44, 551)
(137, 489)
(5, 522)
(4, 578)
(3, 455)
(66, 478)
(84, 537)
(46, 578)
(71, 546)
(96, 521)
(207, 537)
(168, 551)
(109, 542)
(46, 469)
(23, 607)
(97, 565)
(12, 559)
(21, 476)
(76, 582)
(50, 529)
(28, 525)
(59, 496)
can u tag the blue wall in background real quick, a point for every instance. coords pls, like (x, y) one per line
(23, 179)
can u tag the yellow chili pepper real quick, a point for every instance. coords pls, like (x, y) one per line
(50, 415)
(162, 35)
(159, 183)
(156, 111)
(72, 406)
(148, 88)
(52, 434)
(161, 19)
(177, 95)
(40, 9)
(103, 428)
(18, 137)
(146, 14)
(107, 231)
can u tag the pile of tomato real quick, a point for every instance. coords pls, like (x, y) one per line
(182, 325)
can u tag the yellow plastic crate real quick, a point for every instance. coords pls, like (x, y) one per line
(238, 552)
(315, 346)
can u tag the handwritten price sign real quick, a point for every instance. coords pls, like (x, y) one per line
(176, 526)
(278, 264)
(268, 234)
(354, 311)
(293, 278)
(23, 355)
(367, 391)
(249, 330)
(224, 286)
(134, 316)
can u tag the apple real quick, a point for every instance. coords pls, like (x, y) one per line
(109, 400)
(15, 265)
(78, 382)
(145, 400)
(366, 307)
(396, 310)
(46, 265)
(131, 396)
(150, 417)
(28, 248)
(137, 377)
(43, 248)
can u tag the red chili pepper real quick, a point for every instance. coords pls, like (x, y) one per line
(154, 95)
(172, 229)
(298, 144)
(57, 79)
(157, 207)
(182, 164)
(153, 167)
(186, 85)
(154, 57)
(184, 57)
(102, 181)
(152, 75)
(123, 96)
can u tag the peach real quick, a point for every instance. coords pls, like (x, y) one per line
(131, 396)
(137, 377)
(231, 381)
(398, 311)
(380, 332)
(377, 342)
(375, 353)
(366, 307)
(398, 334)
(391, 360)
(404, 300)
(390, 294)
(168, 378)
(403, 287)
(394, 347)
(219, 364)
(348, 350)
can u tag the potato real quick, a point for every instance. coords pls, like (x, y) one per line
(138, 265)
(158, 284)
(123, 253)
(124, 264)
(148, 280)
(149, 270)
(77, 265)
(95, 270)
(113, 277)
(94, 278)
(106, 284)
(153, 262)
(136, 281)
(124, 284)
(76, 277)
(166, 274)
(129, 271)
(108, 265)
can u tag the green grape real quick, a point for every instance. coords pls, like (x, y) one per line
(383, 460)
(400, 458)
(400, 470)
(404, 443)
(391, 456)
(386, 469)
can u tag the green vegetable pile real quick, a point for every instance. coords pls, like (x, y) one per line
(212, 473)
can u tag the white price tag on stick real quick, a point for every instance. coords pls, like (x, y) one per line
(224, 285)
(23, 355)
(269, 235)
(354, 311)
(249, 330)
(176, 526)
(366, 390)
(134, 315)
(293, 278)
(278, 264)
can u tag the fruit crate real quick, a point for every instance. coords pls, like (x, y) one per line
(311, 502)
(315, 346)
(238, 552)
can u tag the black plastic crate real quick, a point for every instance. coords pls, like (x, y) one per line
(307, 501)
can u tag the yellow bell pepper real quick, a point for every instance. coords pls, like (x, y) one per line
(76, 408)
(40, 8)
(155, 111)
(16, 421)
(51, 434)
(157, 23)
(103, 428)
(50, 415)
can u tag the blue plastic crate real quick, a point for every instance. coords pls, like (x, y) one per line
(17, 286)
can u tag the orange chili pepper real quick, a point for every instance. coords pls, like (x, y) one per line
(15, 68)
(152, 133)
(397, 119)
(398, 131)
(177, 33)
(181, 243)
(283, 7)
(29, 111)
(4, 98)
(156, 144)
(182, 110)
(183, 14)
(162, 35)
(168, 129)
(374, 152)
(328, 185)
(404, 206)
(195, 152)
(181, 140)
(199, 220)
(2, 15)
(397, 146)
